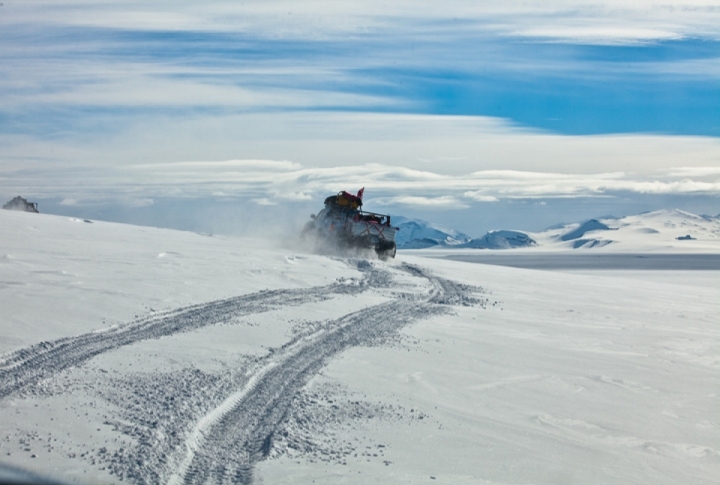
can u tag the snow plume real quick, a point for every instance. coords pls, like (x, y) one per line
(310, 240)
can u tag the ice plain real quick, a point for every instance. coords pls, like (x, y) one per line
(510, 376)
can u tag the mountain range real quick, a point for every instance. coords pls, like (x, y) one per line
(667, 228)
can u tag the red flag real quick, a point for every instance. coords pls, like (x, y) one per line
(360, 193)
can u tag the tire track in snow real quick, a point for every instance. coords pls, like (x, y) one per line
(226, 444)
(27, 366)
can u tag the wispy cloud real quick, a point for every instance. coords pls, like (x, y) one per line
(442, 202)
(693, 172)
(65, 64)
(327, 18)
(599, 35)
(271, 182)
(222, 166)
(311, 153)
(480, 196)
(87, 199)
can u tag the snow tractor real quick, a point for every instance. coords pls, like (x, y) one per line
(21, 204)
(343, 225)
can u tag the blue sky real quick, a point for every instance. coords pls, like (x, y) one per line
(471, 113)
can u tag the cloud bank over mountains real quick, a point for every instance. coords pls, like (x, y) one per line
(409, 161)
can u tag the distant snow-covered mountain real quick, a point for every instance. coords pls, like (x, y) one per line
(649, 230)
(666, 229)
(587, 226)
(501, 240)
(419, 234)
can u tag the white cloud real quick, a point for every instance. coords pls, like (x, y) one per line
(609, 20)
(702, 68)
(386, 185)
(141, 90)
(137, 202)
(479, 196)
(292, 195)
(390, 185)
(221, 166)
(693, 171)
(251, 129)
(92, 198)
(420, 161)
(442, 202)
(264, 201)
(599, 35)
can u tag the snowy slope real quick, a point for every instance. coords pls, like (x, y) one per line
(583, 228)
(501, 240)
(159, 356)
(650, 231)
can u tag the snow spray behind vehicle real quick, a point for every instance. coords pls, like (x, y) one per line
(343, 225)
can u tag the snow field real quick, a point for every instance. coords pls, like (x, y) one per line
(546, 377)
(569, 379)
(104, 273)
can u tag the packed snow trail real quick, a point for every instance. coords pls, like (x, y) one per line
(243, 434)
(25, 367)
(224, 444)
(227, 443)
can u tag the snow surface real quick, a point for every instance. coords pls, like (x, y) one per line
(419, 370)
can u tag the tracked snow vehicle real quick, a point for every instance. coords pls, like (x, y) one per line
(343, 225)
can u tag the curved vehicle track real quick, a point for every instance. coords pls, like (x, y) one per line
(223, 445)
(239, 433)
(26, 367)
